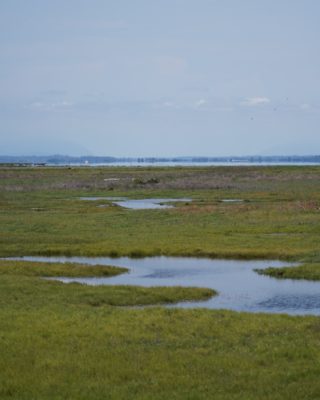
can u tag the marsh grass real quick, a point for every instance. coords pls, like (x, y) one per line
(74, 341)
(261, 228)
(309, 271)
(41, 269)
(54, 351)
(21, 278)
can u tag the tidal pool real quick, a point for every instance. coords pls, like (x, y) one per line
(232, 201)
(240, 287)
(139, 204)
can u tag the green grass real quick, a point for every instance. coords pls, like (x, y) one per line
(306, 271)
(72, 341)
(41, 214)
(49, 270)
(61, 341)
(21, 279)
(58, 352)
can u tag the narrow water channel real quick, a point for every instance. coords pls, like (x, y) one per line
(139, 204)
(240, 287)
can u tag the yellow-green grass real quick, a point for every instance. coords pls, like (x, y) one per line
(71, 341)
(54, 351)
(49, 270)
(19, 279)
(40, 212)
(309, 271)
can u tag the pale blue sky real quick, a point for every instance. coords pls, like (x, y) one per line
(160, 78)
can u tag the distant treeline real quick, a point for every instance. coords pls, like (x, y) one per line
(64, 159)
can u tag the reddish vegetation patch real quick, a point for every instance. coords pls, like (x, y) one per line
(195, 209)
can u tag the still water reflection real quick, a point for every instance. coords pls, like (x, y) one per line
(240, 287)
(140, 204)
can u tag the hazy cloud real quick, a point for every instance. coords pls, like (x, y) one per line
(255, 101)
(57, 106)
(53, 93)
(170, 104)
(171, 65)
(305, 107)
(200, 103)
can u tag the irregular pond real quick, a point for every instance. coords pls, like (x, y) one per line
(240, 287)
(140, 204)
(232, 201)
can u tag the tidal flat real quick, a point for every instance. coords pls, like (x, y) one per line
(73, 341)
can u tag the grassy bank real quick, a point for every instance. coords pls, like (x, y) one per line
(22, 283)
(51, 270)
(306, 271)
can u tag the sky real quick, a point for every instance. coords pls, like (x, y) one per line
(159, 78)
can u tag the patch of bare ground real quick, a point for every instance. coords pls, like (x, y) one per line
(196, 209)
(124, 179)
(214, 207)
(307, 205)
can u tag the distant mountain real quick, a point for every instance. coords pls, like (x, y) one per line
(85, 160)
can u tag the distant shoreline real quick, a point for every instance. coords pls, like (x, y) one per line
(62, 160)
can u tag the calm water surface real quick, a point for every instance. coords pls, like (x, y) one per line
(239, 287)
(140, 204)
